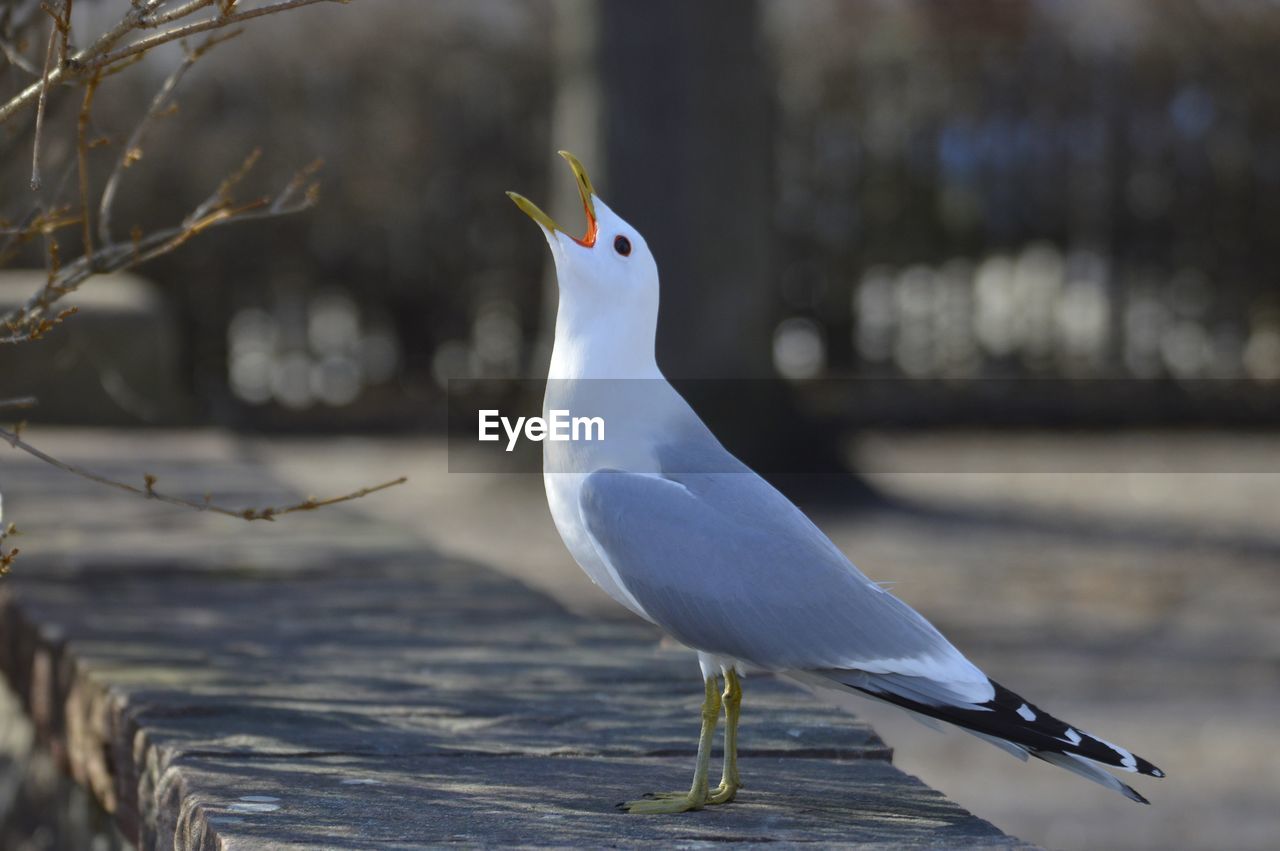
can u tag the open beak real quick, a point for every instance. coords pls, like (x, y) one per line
(588, 204)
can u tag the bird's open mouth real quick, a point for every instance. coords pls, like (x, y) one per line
(534, 212)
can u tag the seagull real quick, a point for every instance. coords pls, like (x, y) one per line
(675, 528)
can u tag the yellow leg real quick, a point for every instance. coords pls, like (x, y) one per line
(696, 797)
(730, 782)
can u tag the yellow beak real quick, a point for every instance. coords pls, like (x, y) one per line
(588, 204)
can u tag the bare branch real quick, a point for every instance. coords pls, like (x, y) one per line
(32, 320)
(140, 9)
(148, 488)
(100, 55)
(144, 44)
(110, 53)
(37, 315)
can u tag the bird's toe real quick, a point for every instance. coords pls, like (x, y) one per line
(658, 803)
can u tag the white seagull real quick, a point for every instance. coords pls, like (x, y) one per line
(682, 533)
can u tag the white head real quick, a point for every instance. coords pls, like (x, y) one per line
(608, 283)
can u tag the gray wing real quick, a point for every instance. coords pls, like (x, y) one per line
(728, 565)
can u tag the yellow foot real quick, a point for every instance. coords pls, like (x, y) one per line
(724, 793)
(657, 803)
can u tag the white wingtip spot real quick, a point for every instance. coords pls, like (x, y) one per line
(1127, 760)
(1026, 712)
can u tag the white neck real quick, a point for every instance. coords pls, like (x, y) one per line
(590, 346)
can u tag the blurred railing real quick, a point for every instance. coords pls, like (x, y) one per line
(1036, 190)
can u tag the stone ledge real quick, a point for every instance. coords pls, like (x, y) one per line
(361, 691)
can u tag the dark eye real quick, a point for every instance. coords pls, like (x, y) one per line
(622, 245)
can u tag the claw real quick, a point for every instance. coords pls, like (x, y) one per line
(723, 794)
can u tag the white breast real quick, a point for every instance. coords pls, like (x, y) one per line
(636, 413)
(602, 371)
(563, 492)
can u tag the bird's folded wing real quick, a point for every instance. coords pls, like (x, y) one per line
(728, 565)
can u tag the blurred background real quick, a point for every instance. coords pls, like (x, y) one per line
(1012, 262)
(1083, 191)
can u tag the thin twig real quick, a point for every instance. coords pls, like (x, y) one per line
(221, 196)
(285, 199)
(37, 223)
(19, 402)
(64, 31)
(148, 489)
(161, 18)
(44, 93)
(132, 150)
(20, 234)
(16, 58)
(7, 557)
(82, 160)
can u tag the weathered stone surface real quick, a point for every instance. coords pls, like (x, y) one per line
(411, 802)
(385, 694)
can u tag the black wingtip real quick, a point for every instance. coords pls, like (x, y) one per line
(1145, 767)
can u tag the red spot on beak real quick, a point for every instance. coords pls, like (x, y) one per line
(593, 229)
